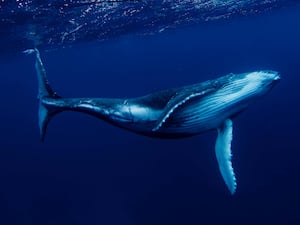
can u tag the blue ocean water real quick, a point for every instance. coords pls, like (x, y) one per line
(89, 172)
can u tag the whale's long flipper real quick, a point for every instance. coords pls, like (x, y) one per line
(223, 153)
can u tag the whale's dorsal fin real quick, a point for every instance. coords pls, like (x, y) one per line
(223, 154)
(178, 100)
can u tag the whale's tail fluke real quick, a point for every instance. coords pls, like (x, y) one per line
(46, 112)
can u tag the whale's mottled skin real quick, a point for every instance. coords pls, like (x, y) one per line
(175, 113)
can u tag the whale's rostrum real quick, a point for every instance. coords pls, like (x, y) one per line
(174, 113)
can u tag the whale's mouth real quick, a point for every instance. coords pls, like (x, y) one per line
(276, 79)
(273, 76)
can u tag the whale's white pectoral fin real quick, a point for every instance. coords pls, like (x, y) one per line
(223, 153)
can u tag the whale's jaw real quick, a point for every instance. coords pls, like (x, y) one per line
(174, 113)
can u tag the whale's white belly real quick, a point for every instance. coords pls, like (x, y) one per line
(206, 113)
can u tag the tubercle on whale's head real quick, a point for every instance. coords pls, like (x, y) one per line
(266, 75)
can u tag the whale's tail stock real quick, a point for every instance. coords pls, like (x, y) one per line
(50, 103)
(45, 94)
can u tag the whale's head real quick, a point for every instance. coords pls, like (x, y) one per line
(250, 85)
(239, 90)
(261, 81)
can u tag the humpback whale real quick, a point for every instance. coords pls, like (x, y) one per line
(174, 113)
